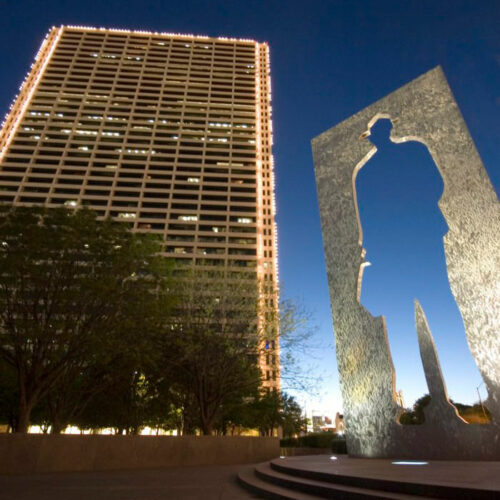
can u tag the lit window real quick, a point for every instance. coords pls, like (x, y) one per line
(71, 203)
(190, 218)
(86, 132)
(127, 215)
(194, 179)
(244, 220)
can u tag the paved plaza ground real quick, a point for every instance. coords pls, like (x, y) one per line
(173, 483)
(219, 482)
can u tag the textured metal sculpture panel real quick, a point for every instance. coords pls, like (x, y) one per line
(423, 110)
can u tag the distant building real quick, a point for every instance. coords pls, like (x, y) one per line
(168, 134)
(322, 424)
(317, 422)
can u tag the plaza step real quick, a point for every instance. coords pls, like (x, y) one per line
(284, 480)
(385, 486)
(251, 482)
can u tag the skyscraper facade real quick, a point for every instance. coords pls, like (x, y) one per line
(169, 134)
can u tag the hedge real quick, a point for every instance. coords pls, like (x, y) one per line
(317, 440)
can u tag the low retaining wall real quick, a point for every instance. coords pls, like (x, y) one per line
(33, 453)
(298, 451)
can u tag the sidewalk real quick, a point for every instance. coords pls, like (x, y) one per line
(173, 483)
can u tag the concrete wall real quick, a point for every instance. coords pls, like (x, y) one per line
(299, 451)
(34, 453)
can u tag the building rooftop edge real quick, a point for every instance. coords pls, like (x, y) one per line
(159, 33)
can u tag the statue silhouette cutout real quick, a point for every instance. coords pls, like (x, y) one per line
(398, 191)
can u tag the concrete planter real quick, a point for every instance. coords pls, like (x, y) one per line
(297, 451)
(35, 453)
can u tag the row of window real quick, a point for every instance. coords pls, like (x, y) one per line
(134, 145)
(152, 45)
(152, 63)
(182, 181)
(122, 55)
(171, 87)
(138, 134)
(112, 152)
(213, 119)
(58, 73)
(174, 73)
(134, 171)
(143, 41)
(152, 194)
(163, 190)
(60, 129)
(133, 138)
(171, 128)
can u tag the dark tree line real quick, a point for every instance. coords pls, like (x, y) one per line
(472, 414)
(97, 330)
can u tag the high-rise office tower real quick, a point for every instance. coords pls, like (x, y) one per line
(170, 134)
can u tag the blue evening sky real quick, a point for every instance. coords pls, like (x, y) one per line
(329, 59)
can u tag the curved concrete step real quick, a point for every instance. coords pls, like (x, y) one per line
(251, 482)
(321, 489)
(384, 486)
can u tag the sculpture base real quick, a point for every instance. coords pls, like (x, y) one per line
(344, 477)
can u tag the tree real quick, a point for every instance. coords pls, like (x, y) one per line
(293, 420)
(277, 409)
(268, 412)
(473, 414)
(415, 416)
(121, 371)
(222, 329)
(69, 287)
(292, 328)
(8, 396)
(212, 351)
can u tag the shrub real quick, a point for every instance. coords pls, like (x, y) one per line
(312, 440)
(339, 445)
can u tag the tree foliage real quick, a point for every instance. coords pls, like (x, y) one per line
(278, 409)
(473, 414)
(298, 346)
(212, 350)
(70, 286)
(97, 330)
